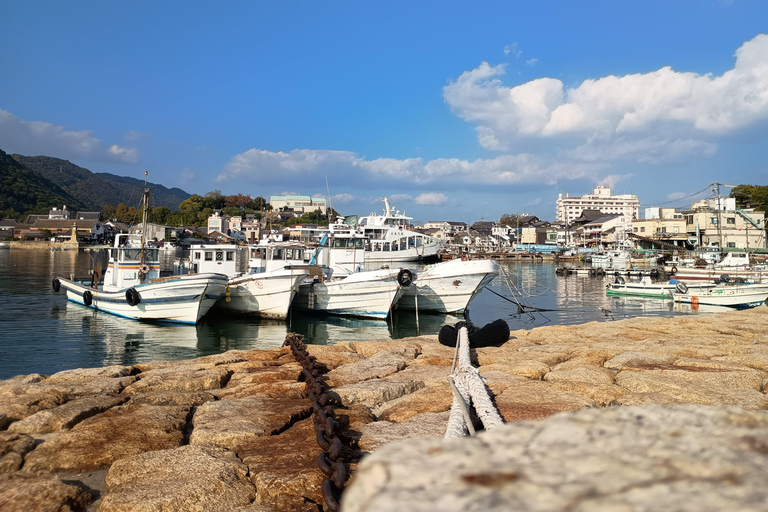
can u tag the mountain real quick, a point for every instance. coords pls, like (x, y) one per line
(24, 191)
(94, 190)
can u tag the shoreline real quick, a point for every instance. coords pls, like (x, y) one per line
(244, 416)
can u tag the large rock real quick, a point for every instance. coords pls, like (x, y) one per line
(380, 365)
(66, 416)
(431, 399)
(180, 378)
(428, 424)
(593, 375)
(284, 469)
(109, 372)
(17, 401)
(234, 422)
(13, 448)
(189, 478)
(374, 393)
(621, 458)
(533, 400)
(23, 492)
(99, 441)
(695, 387)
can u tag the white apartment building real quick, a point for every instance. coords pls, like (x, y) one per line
(299, 204)
(570, 208)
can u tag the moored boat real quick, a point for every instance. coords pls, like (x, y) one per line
(726, 294)
(647, 288)
(448, 287)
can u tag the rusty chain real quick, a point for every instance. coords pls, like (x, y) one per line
(327, 428)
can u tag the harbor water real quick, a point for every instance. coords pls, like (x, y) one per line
(42, 332)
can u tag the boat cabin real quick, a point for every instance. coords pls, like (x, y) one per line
(218, 259)
(130, 264)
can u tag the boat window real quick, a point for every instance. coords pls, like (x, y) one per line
(339, 242)
(419, 241)
(403, 244)
(278, 254)
(198, 255)
(208, 255)
(131, 254)
(230, 256)
(385, 247)
(411, 242)
(152, 254)
(359, 243)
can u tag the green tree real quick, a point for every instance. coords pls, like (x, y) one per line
(509, 219)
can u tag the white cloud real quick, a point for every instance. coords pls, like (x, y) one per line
(125, 154)
(133, 135)
(678, 112)
(400, 198)
(512, 49)
(431, 198)
(674, 196)
(42, 138)
(343, 198)
(532, 62)
(612, 180)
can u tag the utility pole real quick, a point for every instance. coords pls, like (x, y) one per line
(719, 229)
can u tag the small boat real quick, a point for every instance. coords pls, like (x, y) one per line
(735, 265)
(271, 284)
(738, 296)
(132, 286)
(647, 288)
(339, 285)
(613, 260)
(448, 287)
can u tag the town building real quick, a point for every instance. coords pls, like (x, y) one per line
(570, 208)
(659, 227)
(720, 223)
(299, 205)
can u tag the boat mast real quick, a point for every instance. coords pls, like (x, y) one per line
(145, 213)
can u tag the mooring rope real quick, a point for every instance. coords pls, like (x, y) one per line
(468, 389)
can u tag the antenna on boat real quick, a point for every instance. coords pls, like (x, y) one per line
(145, 214)
(328, 190)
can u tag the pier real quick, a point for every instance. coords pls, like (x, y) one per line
(238, 430)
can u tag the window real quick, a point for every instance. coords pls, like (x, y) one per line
(731, 244)
(642, 230)
(713, 220)
(208, 255)
(230, 256)
(730, 220)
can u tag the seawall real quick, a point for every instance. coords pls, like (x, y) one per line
(235, 431)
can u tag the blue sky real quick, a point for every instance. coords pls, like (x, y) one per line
(455, 110)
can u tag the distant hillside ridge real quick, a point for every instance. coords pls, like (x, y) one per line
(24, 191)
(94, 190)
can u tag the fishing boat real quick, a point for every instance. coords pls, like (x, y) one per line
(389, 238)
(733, 266)
(132, 286)
(615, 260)
(339, 285)
(271, 283)
(448, 287)
(740, 296)
(646, 287)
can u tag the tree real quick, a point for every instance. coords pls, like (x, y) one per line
(240, 201)
(509, 219)
(214, 200)
(159, 215)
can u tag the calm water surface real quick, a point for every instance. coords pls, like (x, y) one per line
(42, 332)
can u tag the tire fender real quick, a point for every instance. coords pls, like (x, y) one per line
(87, 298)
(132, 297)
(56, 284)
(405, 277)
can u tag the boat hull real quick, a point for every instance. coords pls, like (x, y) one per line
(448, 287)
(266, 294)
(735, 296)
(370, 294)
(651, 290)
(182, 299)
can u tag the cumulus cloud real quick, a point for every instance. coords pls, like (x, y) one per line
(261, 166)
(512, 49)
(671, 110)
(431, 198)
(42, 138)
(532, 62)
(343, 198)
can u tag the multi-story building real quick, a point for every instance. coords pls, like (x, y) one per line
(661, 225)
(570, 208)
(720, 223)
(299, 204)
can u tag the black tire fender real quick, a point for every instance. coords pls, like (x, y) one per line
(725, 278)
(87, 298)
(492, 334)
(619, 280)
(405, 277)
(132, 297)
(56, 284)
(681, 288)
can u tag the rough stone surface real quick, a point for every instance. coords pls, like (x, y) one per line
(23, 492)
(594, 375)
(180, 378)
(66, 416)
(379, 365)
(99, 441)
(534, 400)
(13, 448)
(110, 372)
(189, 478)
(618, 459)
(374, 393)
(233, 422)
(428, 424)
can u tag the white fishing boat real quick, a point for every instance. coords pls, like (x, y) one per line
(646, 287)
(734, 266)
(133, 288)
(448, 287)
(726, 294)
(271, 283)
(615, 260)
(390, 240)
(339, 285)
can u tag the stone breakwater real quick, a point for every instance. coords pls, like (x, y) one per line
(234, 431)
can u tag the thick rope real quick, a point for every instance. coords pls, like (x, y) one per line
(468, 388)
